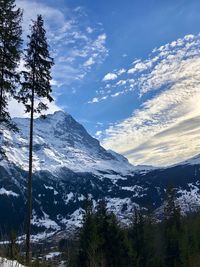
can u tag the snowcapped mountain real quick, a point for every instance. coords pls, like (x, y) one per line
(69, 165)
(192, 161)
(60, 141)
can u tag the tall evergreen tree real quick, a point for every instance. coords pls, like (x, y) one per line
(172, 231)
(88, 256)
(113, 247)
(36, 84)
(137, 236)
(117, 248)
(10, 52)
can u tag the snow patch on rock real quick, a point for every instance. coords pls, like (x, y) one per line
(3, 191)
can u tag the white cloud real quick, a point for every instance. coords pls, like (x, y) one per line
(114, 75)
(149, 74)
(165, 129)
(116, 94)
(55, 83)
(94, 100)
(121, 82)
(89, 30)
(110, 77)
(89, 62)
(17, 109)
(140, 66)
(98, 134)
(121, 71)
(75, 48)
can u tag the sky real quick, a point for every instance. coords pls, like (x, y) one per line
(129, 71)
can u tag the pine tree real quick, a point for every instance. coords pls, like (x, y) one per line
(102, 228)
(117, 249)
(137, 236)
(172, 231)
(88, 256)
(10, 52)
(113, 247)
(36, 84)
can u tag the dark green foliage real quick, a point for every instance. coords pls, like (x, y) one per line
(172, 231)
(37, 77)
(191, 240)
(10, 51)
(138, 239)
(39, 263)
(103, 242)
(117, 250)
(69, 249)
(88, 238)
(113, 246)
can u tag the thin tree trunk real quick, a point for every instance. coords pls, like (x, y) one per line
(1, 95)
(1, 111)
(1, 89)
(1, 100)
(29, 195)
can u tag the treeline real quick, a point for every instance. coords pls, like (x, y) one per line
(104, 242)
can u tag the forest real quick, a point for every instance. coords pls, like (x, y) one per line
(169, 240)
(172, 242)
(103, 241)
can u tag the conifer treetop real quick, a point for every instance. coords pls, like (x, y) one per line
(38, 64)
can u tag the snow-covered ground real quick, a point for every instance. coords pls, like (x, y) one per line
(189, 200)
(8, 263)
(52, 255)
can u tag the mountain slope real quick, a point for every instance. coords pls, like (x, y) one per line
(59, 141)
(69, 165)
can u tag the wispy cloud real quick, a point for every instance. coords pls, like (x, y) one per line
(109, 76)
(160, 69)
(164, 129)
(75, 44)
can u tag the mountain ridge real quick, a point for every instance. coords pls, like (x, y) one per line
(70, 165)
(58, 132)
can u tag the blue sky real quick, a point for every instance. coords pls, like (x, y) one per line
(128, 71)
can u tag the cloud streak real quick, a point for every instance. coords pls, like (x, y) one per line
(165, 129)
(76, 46)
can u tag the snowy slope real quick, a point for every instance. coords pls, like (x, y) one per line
(59, 141)
(192, 161)
(8, 263)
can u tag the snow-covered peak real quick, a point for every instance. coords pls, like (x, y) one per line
(119, 157)
(192, 161)
(60, 141)
(57, 116)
